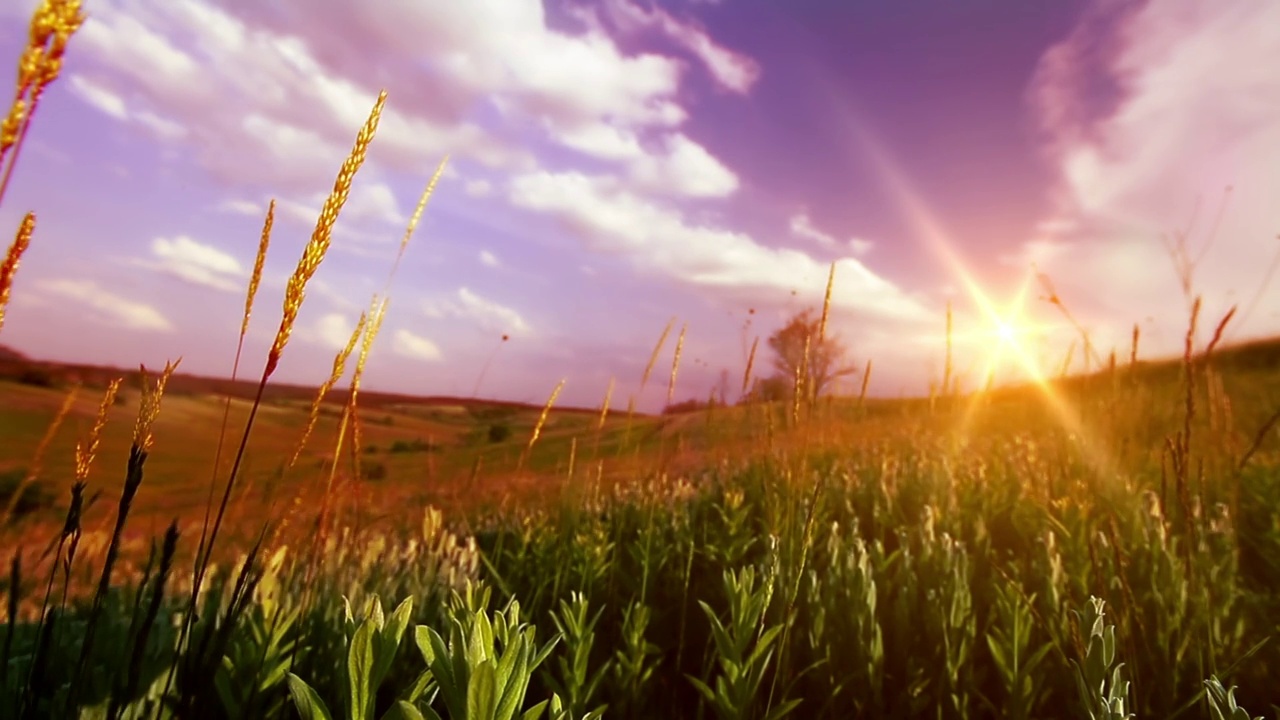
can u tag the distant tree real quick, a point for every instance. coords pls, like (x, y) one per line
(827, 355)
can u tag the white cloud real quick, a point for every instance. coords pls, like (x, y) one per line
(1198, 111)
(731, 70)
(488, 314)
(613, 220)
(602, 140)
(196, 263)
(478, 188)
(488, 259)
(99, 97)
(107, 307)
(272, 93)
(333, 330)
(802, 226)
(683, 167)
(416, 347)
(241, 207)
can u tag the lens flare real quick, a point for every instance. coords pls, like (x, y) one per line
(925, 224)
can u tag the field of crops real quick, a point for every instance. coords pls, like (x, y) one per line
(1099, 546)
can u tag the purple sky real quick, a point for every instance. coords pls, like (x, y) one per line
(617, 164)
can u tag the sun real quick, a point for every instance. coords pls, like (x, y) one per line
(1007, 333)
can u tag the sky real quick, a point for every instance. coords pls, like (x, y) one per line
(617, 164)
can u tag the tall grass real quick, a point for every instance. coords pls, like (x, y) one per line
(864, 561)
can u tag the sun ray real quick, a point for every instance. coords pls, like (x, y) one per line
(921, 217)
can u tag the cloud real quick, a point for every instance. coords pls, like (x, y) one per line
(416, 347)
(107, 307)
(488, 259)
(731, 70)
(195, 263)
(99, 97)
(1197, 109)
(242, 207)
(485, 313)
(658, 240)
(802, 226)
(271, 93)
(333, 330)
(684, 167)
(478, 188)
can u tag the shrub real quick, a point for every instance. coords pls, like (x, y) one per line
(499, 432)
(374, 471)
(38, 377)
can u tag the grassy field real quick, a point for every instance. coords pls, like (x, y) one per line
(1104, 546)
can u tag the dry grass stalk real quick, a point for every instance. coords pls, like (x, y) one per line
(322, 236)
(1217, 333)
(256, 277)
(52, 25)
(604, 408)
(88, 450)
(339, 367)
(11, 259)
(312, 255)
(653, 357)
(542, 420)
(377, 311)
(947, 363)
(751, 361)
(866, 379)
(417, 215)
(149, 406)
(826, 305)
(675, 364)
(37, 459)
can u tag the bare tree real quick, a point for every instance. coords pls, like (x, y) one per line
(827, 355)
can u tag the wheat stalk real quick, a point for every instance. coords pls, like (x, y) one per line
(542, 420)
(149, 406)
(417, 215)
(258, 261)
(52, 25)
(11, 259)
(378, 310)
(751, 361)
(604, 407)
(675, 364)
(826, 304)
(339, 367)
(88, 450)
(322, 236)
(312, 255)
(653, 357)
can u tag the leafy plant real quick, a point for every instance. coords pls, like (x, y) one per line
(373, 644)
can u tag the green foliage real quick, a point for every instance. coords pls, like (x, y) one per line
(484, 666)
(1222, 702)
(373, 644)
(1103, 693)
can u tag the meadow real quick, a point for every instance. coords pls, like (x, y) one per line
(1104, 545)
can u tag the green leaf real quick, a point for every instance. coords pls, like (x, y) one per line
(402, 710)
(535, 712)
(305, 699)
(360, 668)
(481, 699)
